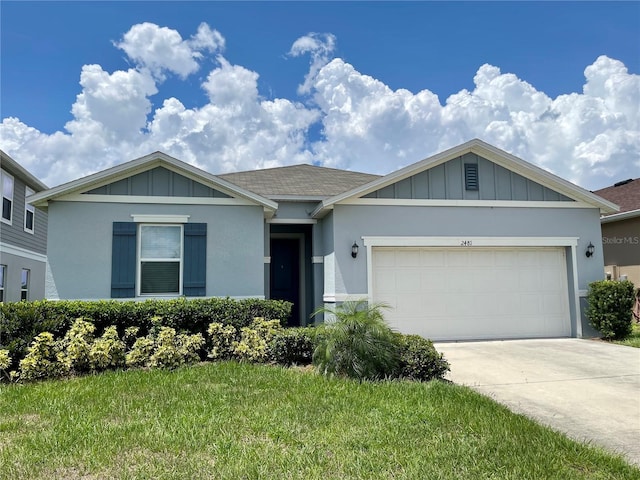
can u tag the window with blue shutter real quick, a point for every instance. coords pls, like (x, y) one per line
(195, 260)
(123, 260)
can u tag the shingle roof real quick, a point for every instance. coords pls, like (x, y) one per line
(626, 194)
(298, 180)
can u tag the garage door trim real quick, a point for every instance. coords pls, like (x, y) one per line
(471, 242)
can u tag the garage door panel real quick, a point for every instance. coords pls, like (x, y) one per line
(449, 294)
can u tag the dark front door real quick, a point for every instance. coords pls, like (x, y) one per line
(285, 275)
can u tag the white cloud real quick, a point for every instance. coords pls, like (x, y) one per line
(590, 137)
(160, 48)
(320, 46)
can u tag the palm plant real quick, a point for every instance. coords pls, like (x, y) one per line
(358, 344)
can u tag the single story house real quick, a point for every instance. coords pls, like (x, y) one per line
(621, 231)
(470, 243)
(23, 234)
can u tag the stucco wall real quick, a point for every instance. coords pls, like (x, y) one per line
(80, 236)
(354, 222)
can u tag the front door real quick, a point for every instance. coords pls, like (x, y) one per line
(285, 275)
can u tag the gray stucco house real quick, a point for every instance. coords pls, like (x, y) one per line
(23, 234)
(470, 243)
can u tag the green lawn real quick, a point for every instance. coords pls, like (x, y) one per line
(632, 340)
(232, 421)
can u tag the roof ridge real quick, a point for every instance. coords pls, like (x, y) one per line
(298, 165)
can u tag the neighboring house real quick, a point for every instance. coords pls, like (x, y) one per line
(621, 231)
(23, 234)
(470, 243)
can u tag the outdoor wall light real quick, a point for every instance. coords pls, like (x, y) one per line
(590, 249)
(354, 249)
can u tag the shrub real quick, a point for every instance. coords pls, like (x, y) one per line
(108, 351)
(20, 322)
(140, 352)
(419, 360)
(359, 344)
(221, 340)
(76, 345)
(292, 346)
(5, 363)
(253, 342)
(42, 359)
(172, 350)
(610, 308)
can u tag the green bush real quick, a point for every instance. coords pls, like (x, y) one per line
(419, 360)
(172, 350)
(140, 353)
(5, 361)
(292, 346)
(254, 340)
(21, 322)
(610, 308)
(221, 340)
(76, 346)
(108, 351)
(358, 344)
(42, 359)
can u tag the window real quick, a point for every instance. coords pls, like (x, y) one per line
(24, 285)
(3, 279)
(7, 197)
(29, 212)
(160, 259)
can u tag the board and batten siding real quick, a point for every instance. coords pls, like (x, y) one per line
(158, 181)
(15, 234)
(447, 182)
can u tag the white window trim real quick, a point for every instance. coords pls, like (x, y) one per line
(3, 284)
(139, 261)
(149, 219)
(27, 288)
(13, 194)
(29, 208)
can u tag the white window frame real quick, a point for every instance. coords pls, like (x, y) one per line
(8, 221)
(29, 208)
(139, 260)
(24, 288)
(3, 282)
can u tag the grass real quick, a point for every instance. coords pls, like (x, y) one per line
(234, 421)
(632, 340)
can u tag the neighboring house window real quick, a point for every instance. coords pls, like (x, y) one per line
(29, 212)
(3, 279)
(160, 259)
(24, 285)
(7, 197)
(157, 259)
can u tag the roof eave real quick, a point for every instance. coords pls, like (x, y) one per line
(620, 216)
(32, 180)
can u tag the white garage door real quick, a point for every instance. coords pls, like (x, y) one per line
(479, 293)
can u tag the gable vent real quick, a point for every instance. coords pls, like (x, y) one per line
(471, 176)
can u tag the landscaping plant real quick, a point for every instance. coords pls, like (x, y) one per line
(610, 308)
(357, 344)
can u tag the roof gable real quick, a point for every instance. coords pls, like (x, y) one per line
(109, 177)
(527, 175)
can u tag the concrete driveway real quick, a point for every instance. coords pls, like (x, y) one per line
(588, 389)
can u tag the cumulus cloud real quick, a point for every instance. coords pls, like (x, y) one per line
(320, 47)
(160, 48)
(590, 137)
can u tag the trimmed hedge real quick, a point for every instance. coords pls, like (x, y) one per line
(610, 308)
(21, 322)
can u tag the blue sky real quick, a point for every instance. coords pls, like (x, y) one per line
(438, 47)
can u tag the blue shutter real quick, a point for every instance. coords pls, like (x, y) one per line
(123, 260)
(194, 277)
